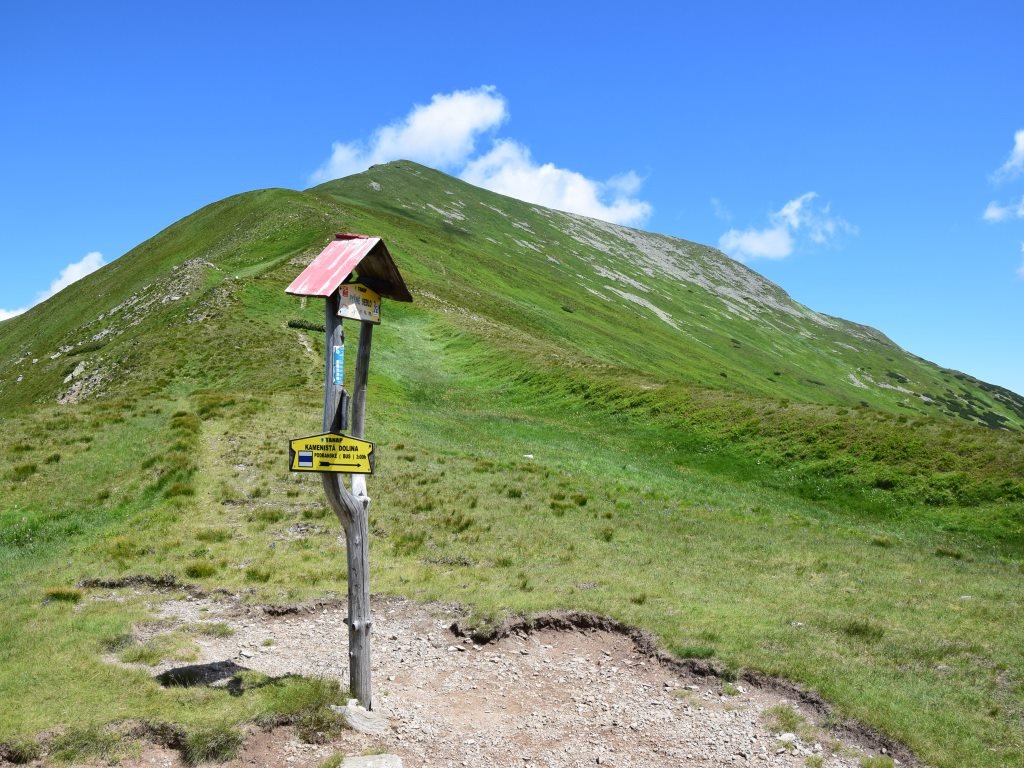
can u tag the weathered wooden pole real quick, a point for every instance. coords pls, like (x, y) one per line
(352, 510)
(333, 453)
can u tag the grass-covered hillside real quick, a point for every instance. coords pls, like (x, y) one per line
(750, 480)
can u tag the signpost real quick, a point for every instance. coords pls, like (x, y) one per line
(332, 453)
(359, 303)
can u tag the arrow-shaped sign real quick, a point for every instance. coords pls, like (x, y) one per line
(330, 452)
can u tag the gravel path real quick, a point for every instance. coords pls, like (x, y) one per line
(549, 698)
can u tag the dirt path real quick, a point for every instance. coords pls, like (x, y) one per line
(547, 698)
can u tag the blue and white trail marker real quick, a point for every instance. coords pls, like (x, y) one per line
(339, 365)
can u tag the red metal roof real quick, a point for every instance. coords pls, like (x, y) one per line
(340, 258)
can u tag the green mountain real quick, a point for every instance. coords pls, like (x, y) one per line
(691, 429)
(669, 311)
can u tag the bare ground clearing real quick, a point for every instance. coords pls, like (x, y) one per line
(531, 697)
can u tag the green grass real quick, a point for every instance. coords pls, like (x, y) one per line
(215, 743)
(64, 594)
(782, 718)
(870, 552)
(79, 744)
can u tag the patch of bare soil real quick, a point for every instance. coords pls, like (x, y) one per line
(569, 691)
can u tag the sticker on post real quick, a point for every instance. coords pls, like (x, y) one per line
(339, 365)
(330, 452)
(357, 302)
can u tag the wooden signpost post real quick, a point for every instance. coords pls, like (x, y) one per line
(333, 453)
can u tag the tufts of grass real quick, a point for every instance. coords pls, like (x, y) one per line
(878, 761)
(268, 515)
(862, 629)
(881, 541)
(212, 629)
(306, 325)
(306, 703)
(955, 554)
(85, 743)
(201, 569)
(123, 548)
(179, 488)
(333, 761)
(22, 751)
(214, 535)
(783, 718)
(258, 574)
(172, 646)
(23, 472)
(63, 595)
(215, 743)
(693, 651)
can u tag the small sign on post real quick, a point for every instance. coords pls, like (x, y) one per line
(331, 453)
(359, 303)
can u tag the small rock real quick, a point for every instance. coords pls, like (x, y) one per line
(361, 720)
(373, 761)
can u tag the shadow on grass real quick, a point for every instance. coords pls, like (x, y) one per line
(204, 674)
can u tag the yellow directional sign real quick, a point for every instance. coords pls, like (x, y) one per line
(357, 302)
(331, 453)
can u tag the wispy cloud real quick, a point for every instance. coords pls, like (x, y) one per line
(997, 212)
(771, 243)
(510, 170)
(1014, 164)
(444, 134)
(799, 217)
(721, 212)
(70, 274)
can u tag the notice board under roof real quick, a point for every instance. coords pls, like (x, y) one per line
(346, 254)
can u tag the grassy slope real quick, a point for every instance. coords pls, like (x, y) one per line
(779, 535)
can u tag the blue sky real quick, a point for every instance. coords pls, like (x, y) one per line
(868, 157)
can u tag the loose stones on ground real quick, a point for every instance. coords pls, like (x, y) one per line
(553, 699)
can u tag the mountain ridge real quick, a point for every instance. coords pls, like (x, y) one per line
(629, 269)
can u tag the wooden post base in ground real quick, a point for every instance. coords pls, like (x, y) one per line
(352, 508)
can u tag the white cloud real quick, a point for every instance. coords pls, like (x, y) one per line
(996, 212)
(777, 241)
(444, 133)
(510, 170)
(772, 243)
(1015, 162)
(7, 314)
(73, 273)
(70, 274)
(441, 134)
